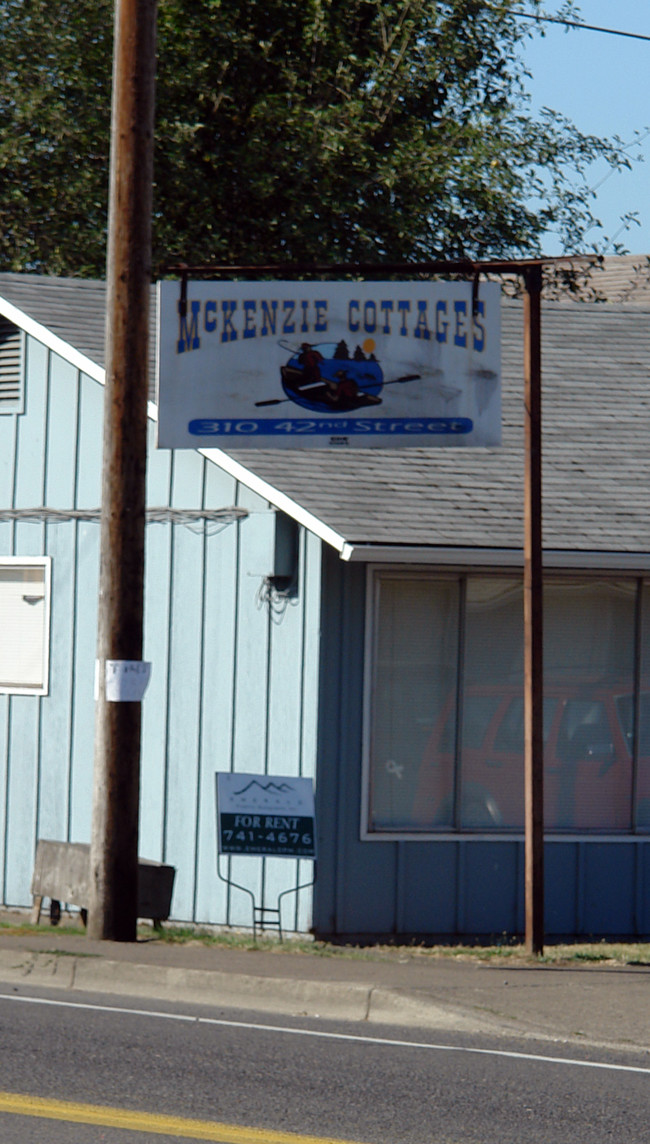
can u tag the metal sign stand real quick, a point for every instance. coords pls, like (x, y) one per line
(265, 816)
(265, 917)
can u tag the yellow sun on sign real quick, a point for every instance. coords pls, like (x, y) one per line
(369, 346)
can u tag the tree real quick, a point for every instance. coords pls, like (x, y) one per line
(329, 130)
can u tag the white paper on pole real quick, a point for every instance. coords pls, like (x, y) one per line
(126, 680)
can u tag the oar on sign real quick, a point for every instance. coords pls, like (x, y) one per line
(321, 383)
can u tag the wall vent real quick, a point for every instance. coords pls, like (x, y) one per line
(11, 367)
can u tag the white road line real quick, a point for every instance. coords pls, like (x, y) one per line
(324, 1035)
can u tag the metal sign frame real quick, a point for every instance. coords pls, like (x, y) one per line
(265, 816)
(530, 271)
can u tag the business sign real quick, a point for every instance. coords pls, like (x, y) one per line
(328, 365)
(265, 814)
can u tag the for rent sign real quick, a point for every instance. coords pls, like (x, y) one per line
(324, 364)
(265, 814)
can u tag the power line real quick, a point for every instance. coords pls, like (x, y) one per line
(577, 24)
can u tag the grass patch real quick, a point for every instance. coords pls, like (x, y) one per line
(26, 928)
(612, 953)
(502, 952)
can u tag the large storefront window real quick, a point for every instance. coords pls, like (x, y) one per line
(414, 688)
(447, 706)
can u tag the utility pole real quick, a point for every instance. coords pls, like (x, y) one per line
(533, 616)
(116, 792)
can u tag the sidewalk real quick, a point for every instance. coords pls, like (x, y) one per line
(577, 1003)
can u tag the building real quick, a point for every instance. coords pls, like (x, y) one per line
(361, 625)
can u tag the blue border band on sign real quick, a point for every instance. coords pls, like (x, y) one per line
(276, 427)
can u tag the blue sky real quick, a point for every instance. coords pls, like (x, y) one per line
(602, 83)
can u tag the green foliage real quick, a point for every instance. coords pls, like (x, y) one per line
(55, 58)
(329, 130)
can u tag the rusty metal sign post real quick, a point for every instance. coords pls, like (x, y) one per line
(533, 616)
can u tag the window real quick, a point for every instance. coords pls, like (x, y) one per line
(24, 624)
(11, 367)
(445, 750)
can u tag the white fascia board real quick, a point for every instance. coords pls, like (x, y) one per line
(275, 497)
(51, 341)
(630, 562)
(424, 554)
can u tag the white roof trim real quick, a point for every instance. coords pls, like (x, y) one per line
(51, 340)
(275, 497)
(629, 562)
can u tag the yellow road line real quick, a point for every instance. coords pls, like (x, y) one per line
(150, 1122)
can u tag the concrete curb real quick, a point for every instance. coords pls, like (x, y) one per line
(367, 1002)
(331, 1000)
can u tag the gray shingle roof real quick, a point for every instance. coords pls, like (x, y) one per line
(596, 449)
(73, 308)
(596, 411)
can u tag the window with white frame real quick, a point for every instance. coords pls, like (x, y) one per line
(24, 624)
(445, 746)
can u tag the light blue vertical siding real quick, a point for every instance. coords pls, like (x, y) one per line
(184, 682)
(156, 650)
(230, 687)
(250, 680)
(7, 480)
(56, 714)
(84, 621)
(216, 732)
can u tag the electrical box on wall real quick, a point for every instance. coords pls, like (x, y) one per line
(284, 578)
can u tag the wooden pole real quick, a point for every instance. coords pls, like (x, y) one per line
(114, 845)
(533, 617)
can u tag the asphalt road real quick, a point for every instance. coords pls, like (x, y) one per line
(328, 1080)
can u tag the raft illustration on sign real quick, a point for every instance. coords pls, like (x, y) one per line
(319, 365)
(324, 378)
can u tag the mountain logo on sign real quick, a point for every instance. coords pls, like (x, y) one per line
(267, 788)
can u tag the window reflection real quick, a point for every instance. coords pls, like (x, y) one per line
(448, 733)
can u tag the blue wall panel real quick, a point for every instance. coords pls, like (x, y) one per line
(89, 444)
(236, 686)
(5, 706)
(61, 434)
(221, 553)
(56, 709)
(214, 651)
(251, 677)
(31, 430)
(8, 434)
(22, 780)
(561, 887)
(462, 888)
(491, 884)
(158, 549)
(154, 706)
(184, 681)
(83, 684)
(643, 889)
(609, 888)
(428, 887)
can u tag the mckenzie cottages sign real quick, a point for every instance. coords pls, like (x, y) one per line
(329, 365)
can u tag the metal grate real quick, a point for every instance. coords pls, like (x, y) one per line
(11, 341)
